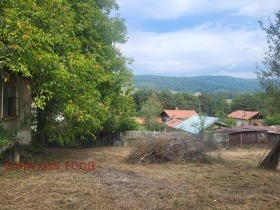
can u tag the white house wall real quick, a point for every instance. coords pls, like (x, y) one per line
(19, 123)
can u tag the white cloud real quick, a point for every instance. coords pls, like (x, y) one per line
(205, 49)
(172, 9)
(209, 48)
(158, 9)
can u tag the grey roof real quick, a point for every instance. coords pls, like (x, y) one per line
(193, 124)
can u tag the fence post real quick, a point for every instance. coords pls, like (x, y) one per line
(16, 153)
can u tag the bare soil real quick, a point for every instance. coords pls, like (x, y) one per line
(234, 183)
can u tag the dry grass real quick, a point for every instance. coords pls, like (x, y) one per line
(235, 183)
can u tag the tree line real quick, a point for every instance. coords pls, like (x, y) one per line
(149, 103)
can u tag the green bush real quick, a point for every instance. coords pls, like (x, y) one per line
(273, 120)
(5, 138)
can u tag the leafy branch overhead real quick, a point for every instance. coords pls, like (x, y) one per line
(269, 71)
(67, 48)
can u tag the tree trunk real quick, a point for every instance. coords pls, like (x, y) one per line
(41, 123)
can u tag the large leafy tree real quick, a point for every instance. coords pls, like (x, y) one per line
(150, 111)
(167, 98)
(141, 96)
(250, 102)
(269, 72)
(68, 50)
(213, 106)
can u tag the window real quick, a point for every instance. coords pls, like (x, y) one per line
(10, 101)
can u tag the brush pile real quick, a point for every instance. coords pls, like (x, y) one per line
(271, 161)
(163, 149)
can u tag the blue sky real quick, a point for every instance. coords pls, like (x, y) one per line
(196, 37)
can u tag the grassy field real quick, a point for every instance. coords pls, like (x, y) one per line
(234, 183)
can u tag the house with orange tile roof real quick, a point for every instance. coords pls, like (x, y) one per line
(243, 117)
(167, 115)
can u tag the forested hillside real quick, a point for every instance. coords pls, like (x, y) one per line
(207, 84)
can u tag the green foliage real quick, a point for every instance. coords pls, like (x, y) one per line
(141, 96)
(129, 124)
(168, 99)
(68, 50)
(269, 71)
(272, 120)
(213, 106)
(153, 126)
(210, 104)
(250, 102)
(229, 121)
(201, 127)
(150, 111)
(6, 137)
(205, 84)
(34, 152)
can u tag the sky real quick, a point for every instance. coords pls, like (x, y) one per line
(196, 37)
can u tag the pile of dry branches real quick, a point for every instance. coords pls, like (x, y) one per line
(271, 161)
(163, 149)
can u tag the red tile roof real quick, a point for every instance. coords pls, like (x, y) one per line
(243, 115)
(180, 114)
(173, 123)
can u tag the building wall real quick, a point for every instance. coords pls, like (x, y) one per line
(272, 137)
(21, 123)
(253, 121)
(248, 138)
(241, 122)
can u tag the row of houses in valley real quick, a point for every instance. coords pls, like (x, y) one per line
(248, 130)
(188, 121)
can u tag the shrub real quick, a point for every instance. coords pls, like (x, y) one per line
(273, 120)
(5, 138)
(34, 152)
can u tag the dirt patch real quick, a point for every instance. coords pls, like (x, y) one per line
(236, 183)
(136, 191)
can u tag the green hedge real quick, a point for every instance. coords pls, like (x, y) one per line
(273, 120)
(5, 137)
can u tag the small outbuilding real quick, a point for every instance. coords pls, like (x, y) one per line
(243, 117)
(196, 123)
(247, 135)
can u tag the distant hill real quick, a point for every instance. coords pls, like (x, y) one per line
(207, 84)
